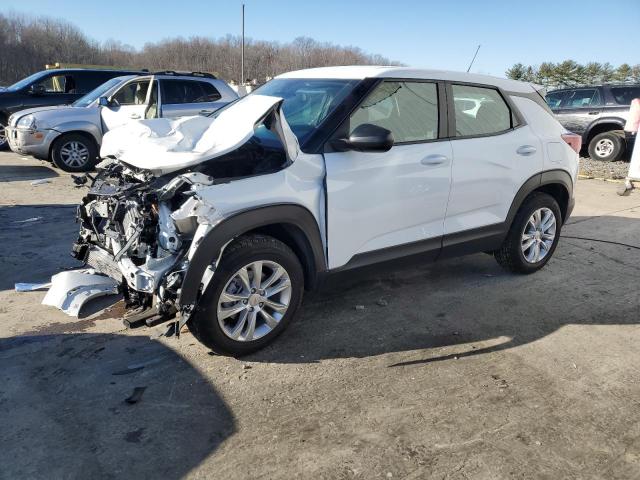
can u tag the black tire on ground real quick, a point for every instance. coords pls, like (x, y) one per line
(85, 148)
(4, 143)
(510, 255)
(243, 251)
(607, 146)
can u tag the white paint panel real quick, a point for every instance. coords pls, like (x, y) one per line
(379, 200)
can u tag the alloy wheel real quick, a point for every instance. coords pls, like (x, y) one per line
(254, 301)
(74, 154)
(604, 147)
(3, 135)
(538, 235)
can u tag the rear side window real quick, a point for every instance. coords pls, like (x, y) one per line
(624, 95)
(88, 80)
(188, 91)
(480, 111)
(408, 109)
(589, 97)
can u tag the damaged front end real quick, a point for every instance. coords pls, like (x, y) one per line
(137, 230)
(143, 219)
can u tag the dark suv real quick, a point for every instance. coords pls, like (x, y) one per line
(50, 87)
(598, 113)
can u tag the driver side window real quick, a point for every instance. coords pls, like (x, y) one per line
(408, 109)
(134, 93)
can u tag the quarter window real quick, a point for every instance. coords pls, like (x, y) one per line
(624, 95)
(408, 109)
(582, 98)
(480, 111)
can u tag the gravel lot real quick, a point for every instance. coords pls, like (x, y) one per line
(452, 370)
(609, 170)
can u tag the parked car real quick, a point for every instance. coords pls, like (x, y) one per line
(598, 114)
(71, 136)
(50, 87)
(227, 220)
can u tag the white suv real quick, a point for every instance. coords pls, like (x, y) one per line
(223, 222)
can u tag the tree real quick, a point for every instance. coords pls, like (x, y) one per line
(517, 72)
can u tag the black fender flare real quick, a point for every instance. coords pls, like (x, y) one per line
(549, 177)
(600, 121)
(242, 222)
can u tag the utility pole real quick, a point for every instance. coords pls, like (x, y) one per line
(242, 51)
(474, 57)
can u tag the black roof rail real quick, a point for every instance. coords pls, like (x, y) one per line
(186, 74)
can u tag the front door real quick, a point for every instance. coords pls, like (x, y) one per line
(397, 198)
(128, 103)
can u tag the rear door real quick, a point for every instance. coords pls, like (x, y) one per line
(128, 103)
(494, 153)
(579, 108)
(377, 200)
(184, 97)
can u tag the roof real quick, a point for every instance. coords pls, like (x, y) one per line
(359, 72)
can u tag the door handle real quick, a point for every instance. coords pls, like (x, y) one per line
(205, 112)
(134, 116)
(526, 150)
(594, 113)
(432, 160)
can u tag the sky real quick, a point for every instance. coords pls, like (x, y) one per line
(441, 35)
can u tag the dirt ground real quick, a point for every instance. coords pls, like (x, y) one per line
(451, 370)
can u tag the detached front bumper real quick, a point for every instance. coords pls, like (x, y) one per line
(31, 142)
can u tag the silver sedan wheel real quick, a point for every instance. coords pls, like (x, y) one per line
(604, 147)
(3, 135)
(538, 235)
(254, 300)
(74, 154)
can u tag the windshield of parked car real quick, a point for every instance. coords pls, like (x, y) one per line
(25, 82)
(98, 92)
(307, 102)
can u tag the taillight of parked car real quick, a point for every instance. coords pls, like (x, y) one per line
(573, 140)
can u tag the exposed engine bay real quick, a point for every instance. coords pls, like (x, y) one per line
(137, 229)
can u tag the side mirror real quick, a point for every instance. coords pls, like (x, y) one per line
(104, 102)
(366, 138)
(37, 90)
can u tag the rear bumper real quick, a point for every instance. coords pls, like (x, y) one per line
(31, 142)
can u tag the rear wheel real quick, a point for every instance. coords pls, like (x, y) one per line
(254, 294)
(533, 236)
(607, 146)
(74, 153)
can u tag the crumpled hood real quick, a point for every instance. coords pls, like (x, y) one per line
(163, 146)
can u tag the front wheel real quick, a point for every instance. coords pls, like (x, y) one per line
(74, 153)
(533, 236)
(607, 146)
(253, 295)
(4, 142)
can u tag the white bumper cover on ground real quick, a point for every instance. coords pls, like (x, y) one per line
(71, 290)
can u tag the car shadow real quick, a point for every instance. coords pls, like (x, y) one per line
(35, 241)
(469, 306)
(12, 173)
(104, 406)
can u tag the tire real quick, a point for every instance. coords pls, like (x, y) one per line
(512, 255)
(4, 143)
(74, 152)
(607, 146)
(215, 330)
